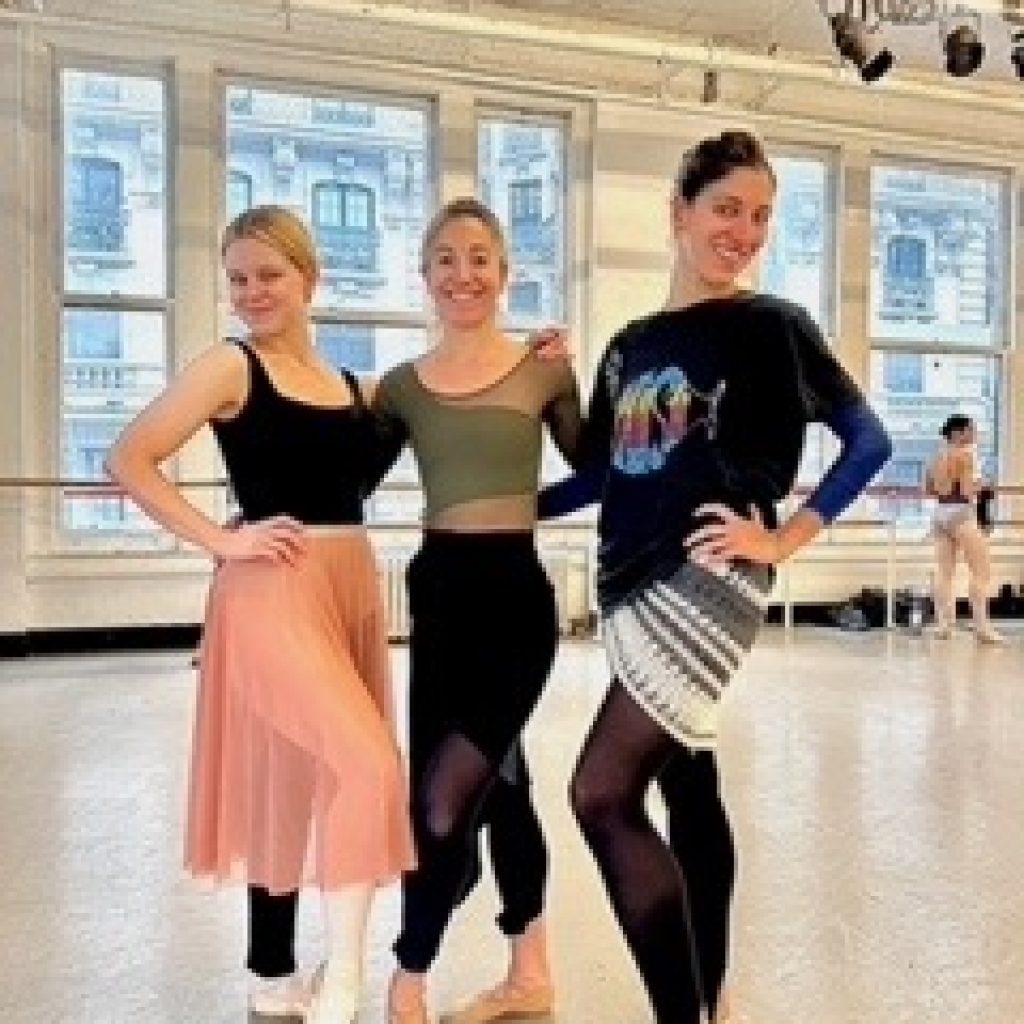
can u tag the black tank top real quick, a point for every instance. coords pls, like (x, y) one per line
(286, 457)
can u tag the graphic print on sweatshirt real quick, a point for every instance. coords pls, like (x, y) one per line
(654, 412)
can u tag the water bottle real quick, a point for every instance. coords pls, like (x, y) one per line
(917, 613)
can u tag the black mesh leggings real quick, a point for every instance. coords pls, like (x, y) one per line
(476, 675)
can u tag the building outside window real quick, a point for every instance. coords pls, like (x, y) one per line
(798, 264)
(521, 176)
(114, 295)
(937, 314)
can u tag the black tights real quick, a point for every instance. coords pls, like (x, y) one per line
(672, 900)
(518, 856)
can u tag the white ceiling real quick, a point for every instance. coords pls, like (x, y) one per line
(794, 29)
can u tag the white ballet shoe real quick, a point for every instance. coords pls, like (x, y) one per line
(335, 1000)
(989, 636)
(287, 996)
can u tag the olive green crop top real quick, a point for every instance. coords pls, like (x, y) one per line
(479, 453)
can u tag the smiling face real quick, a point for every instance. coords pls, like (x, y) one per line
(719, 232)
(464, 269)
(268, 292)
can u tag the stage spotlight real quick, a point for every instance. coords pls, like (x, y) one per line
(857, 44)
(964, 51)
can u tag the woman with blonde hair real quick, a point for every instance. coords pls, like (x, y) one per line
(952, 479)
(474, 408)
(296, 775)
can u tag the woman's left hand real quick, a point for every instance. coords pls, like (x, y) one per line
(732, 536)
(550, 343)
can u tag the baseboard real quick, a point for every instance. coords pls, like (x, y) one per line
(98, 640)
(185, 637)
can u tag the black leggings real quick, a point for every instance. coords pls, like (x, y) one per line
(672, 900)
(476, 673)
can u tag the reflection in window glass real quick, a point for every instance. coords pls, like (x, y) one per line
(937, 256)
(914, 393)
(355, 172)
(521, 177)
(113, 365)
(797, 262)
(114, 184)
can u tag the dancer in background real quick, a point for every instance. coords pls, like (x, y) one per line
(952, 479)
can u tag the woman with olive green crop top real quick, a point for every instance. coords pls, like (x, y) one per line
(476, 671)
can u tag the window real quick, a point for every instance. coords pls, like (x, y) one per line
(347, 346)
(344, 221)
(354, 170)
(115, 292)
(524, 202)
(524, 299)
(521, 176)
(798, 262)
(937, 308)
(239, 193)
(938, 252)
(96, 195)
(944, 384)
(357, 172)
(904, 373)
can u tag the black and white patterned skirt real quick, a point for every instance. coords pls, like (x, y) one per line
(676, 643)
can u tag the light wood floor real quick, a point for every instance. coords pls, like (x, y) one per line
(876, 783)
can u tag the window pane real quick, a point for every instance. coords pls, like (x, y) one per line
(820, 449)
(366, 348)
(521, 176)
(239, 193)
(797, 263)
(355, 172)
(937, 257)
(115, 215)
(914, 393)
(113, 363)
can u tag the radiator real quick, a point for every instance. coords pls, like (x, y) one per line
(393, 563)
(568, 567)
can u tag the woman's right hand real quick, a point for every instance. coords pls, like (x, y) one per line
(550, 343)
(279, 539)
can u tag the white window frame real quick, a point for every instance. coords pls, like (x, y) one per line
(1000, 350)
(62, 539)
(488, 110)
(831, 158)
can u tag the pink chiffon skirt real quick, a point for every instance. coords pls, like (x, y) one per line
(296, 774)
